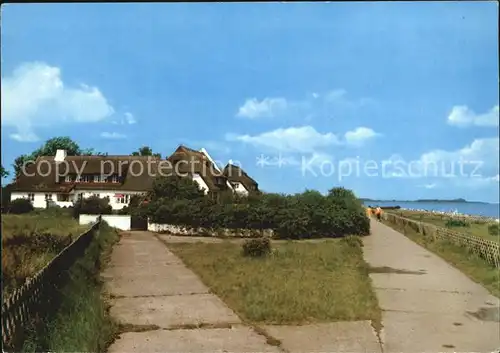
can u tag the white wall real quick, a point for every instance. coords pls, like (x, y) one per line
(39, 200)
(178, 230)
(118, 221)
(239, 188)
(87, 218)
(199, 180)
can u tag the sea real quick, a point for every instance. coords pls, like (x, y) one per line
(468, 208)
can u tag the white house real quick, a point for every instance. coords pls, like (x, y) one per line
(240, 181)
(62, 179)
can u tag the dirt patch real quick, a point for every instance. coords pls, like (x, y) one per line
(386, 269)
(486, 314)
(137, 328)
(270, 340)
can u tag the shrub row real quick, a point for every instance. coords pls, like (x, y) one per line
(179, 201)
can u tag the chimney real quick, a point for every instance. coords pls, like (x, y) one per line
(60, 155)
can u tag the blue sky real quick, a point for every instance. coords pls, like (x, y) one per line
(318, 90)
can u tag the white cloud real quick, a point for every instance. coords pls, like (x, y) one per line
(25, 137)
(485, 150)
(474, 164)
(359, 136)
(304, 139)
(126, 119)
(332, 103)
(113, 135)
(429, 186)
(129, 118)
(35, 95)
(266, 108)
(462, 116)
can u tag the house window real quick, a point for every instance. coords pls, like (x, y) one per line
(219, 181)
(114, 178)
(63, 197)
(31, 197)
(80, 196)
(97, 178)
(96, 195)
(68, 179)
(121, 198)
(83, 178)
(48, 197)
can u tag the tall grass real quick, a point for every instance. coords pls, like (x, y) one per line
(82, 323)
(297, 283)
(466, 261)
(30, 241)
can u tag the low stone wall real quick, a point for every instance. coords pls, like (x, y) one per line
(121, 222)
(487, 249)
(205, 232)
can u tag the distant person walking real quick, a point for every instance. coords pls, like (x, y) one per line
(368, 212)
(378, 213)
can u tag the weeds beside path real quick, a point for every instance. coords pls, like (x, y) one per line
(467, 262)
(474, 227)
(30, 241)
(298, 283)
(82, 323)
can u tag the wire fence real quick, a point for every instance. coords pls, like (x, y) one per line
(30, 304)
(487, 249)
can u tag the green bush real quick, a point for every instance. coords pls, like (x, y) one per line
(20, 206)
(450, 223)
(92, 205)
(493, 229)
(257, 247)
(305, 215)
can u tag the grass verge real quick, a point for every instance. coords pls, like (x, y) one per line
(476, 227)
(298, 283)
(469, 263)
(82, 323)
(30, 241)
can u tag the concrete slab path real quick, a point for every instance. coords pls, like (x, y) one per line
(428, 305)
(163, 306)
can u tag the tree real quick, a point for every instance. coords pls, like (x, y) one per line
(3, 172)
(174, 187)
(146, 151)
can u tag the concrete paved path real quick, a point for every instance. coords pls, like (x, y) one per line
(163, 307)
(429, 306)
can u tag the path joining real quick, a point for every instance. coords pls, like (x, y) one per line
(163, 307)
(428, 305)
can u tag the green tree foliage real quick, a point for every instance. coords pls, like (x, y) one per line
(92, 205)
(19, 206)
(145, 151)
(176, 200)
(3, 172)
(175, 188)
